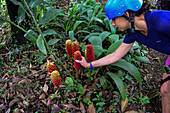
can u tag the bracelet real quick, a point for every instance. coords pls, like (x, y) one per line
(91, 67)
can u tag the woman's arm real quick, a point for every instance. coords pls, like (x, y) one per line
(109, 59)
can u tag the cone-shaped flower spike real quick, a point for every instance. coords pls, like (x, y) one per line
(89, 53)
(75, 47)
(56, 79)
(51, 67)
(68, 46)
(77, 56)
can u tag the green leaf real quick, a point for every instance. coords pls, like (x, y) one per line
(31, 36)
(49, 16)
(98, 20)
(53, 41)
(21, 15)
(103, 82)
(82, 31)
(91, 34)
(77, 24)
(90, 13)
(49, 32)
(104, 34)
(114, 46)
(71, 35)
(20, 4)
(142, 59)
(119, 84)
(98, 50)
(41, 46)
(70, 80)
(41, 56)
(34, 3)
(95, 40)
(130, 68)
(114, 37)
(80, 88)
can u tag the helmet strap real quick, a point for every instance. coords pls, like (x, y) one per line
(131, 20)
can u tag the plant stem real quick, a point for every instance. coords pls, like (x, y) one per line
(14, 24)
(46, 44)
(62, 97)
(72, 66)
(77, 78)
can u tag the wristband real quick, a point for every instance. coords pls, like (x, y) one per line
(91, 67)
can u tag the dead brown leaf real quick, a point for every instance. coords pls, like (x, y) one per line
(96, 81)
(131, 112)
(91, 108)
(4, 87)
(45, 88)
(42, 96)
(2, 106)
(6, 74)
(124, 105)
(44, 102)
(82, 107)
(70, 106)
(26, 103)
(24, 81)
(13, 102)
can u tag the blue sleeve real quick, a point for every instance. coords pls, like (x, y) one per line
(129, 39)
(162, 23)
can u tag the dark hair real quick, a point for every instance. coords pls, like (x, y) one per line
(146, 7)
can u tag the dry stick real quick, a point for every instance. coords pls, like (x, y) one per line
(77, 73)
(89, 79)
(62, 97)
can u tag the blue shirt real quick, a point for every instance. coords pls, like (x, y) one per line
(158, 37)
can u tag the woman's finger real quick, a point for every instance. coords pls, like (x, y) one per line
(79, 61)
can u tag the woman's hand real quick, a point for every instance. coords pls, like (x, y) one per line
(83, 62)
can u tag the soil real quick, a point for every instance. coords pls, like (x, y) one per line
(151, 70)
(157, 61)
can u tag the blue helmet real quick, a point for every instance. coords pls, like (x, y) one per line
(115, 8)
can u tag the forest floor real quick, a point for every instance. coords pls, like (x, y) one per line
(37, 92)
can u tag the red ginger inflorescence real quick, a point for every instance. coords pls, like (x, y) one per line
(51, 67)
(89, 53)
(77, 56)
(75, 47)
(56, 79)
(68, 46)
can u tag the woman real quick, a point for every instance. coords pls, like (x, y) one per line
(152, 28)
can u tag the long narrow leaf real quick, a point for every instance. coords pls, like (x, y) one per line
(91, 34)
(104, 34)
(31, 36)
(41, 46)
(77, 24)
(103, 82)
(114, 46)
(95, 40)
(53, 41)
(98, 50)
(34, 3)
(49, 16)
(119, 84)
(49, 32)
(130, 68)
(21, 15)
